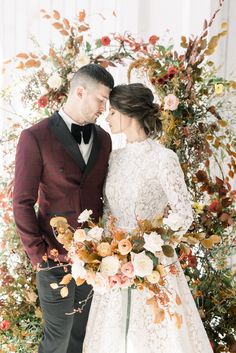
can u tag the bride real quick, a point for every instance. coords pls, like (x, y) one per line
(143, 178)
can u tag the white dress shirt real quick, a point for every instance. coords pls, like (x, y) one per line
(85, 149)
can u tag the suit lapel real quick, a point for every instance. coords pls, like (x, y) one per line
(59, 128)
(94, 152)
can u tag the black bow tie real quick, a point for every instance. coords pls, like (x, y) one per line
(78, 130)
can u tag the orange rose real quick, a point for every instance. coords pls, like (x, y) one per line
(124, 246)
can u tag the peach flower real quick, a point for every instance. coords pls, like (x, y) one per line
(124, 246)
(104, 249)
(128, 269)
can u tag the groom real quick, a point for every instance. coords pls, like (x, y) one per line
(62, 162)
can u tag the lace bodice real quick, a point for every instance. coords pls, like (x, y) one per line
(143, 178)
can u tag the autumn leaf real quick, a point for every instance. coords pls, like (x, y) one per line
(177, 299)
(207, 243)
(158, 313)
(46, 16)
(64, 32)
(54, 285)
(32, 63)
(7, 62)
(79, 281)
(178, 320)
(114, 13)
(83, 28)
(66, 279)
(57, 25)
(64, 292)
(20, 66)
(168, 250)
(56, 15)
(52, 53)
(66, 23)
(22, 55)
(81, 16)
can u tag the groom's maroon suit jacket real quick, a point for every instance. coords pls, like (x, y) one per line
(50, 169)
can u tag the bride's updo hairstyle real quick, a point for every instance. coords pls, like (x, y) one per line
(136, 101)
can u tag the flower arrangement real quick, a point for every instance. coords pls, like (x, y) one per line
(141, 259)
(197, 126)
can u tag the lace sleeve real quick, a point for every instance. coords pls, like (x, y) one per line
(173, 184)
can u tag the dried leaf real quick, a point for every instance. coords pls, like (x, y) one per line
(224, 25)
(64, 292)
(178, 320)
(54, 285)
(114, 13)
(52, 53)
(207, 243)
(158, 313)
(32, 63)
(46, 16)
(168, 250)
(81, 16)
(80, 281)
(7, 62)
(66, 279)
(22, 55)
(185, 248)
(83, 28)
(56, 15)
(20, 66)
(66, 23)
(64, 32)
(177, 299)
(216, 239)
(57, 25)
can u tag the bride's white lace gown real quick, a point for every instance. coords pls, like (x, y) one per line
(143, 178)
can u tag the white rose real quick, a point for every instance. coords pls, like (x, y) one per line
(174, 221)
(153, 242)
(95, 233)
(143, 265)
(109, 266)
(154, 277)
(84, 216)
(55, 81)
(81, 60)
(79, 235)
(77, 268)
(171, 102)
(101, 283)
(43, 91)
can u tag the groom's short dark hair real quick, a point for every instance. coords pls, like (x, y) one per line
(92, 72)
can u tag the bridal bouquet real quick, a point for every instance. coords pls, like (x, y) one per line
(140, 259)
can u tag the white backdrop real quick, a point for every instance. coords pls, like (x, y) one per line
(19, 19)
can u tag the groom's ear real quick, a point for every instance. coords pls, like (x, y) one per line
(80, 91)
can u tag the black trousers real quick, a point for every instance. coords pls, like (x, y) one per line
(62, 333)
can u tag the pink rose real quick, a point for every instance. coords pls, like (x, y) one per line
(125, 282)
(128, 269)
(114, 281)
(171, 102)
